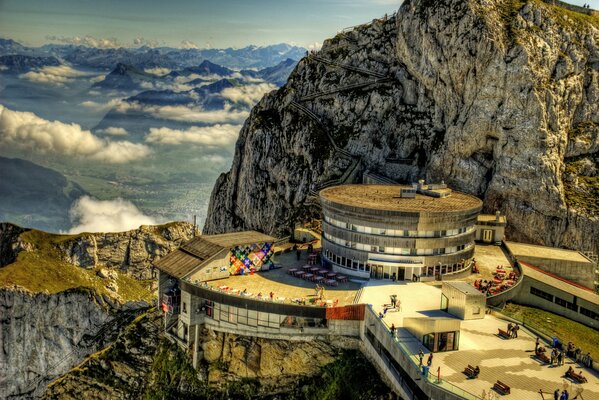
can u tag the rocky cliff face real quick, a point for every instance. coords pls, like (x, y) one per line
(132, 251)
(497, 97)
(143, 364)
(62, 297)
(42, 336)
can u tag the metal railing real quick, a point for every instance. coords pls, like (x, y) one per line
(430, 378)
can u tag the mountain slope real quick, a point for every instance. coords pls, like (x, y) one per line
(35, 196)
(498, 99)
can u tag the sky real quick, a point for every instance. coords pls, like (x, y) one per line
(180, 23)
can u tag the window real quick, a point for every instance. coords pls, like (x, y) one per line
(589, 313)
(184, 308)
(475, 310)
(566, 304)
(541, 294)
(381, 249)
(374, 248)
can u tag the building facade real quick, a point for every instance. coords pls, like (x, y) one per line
(398, 232)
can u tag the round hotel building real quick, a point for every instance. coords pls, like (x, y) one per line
(393, 231)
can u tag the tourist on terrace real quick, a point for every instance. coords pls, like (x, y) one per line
(392, 329)
(429, 362)
(420, 356)
(556, 394)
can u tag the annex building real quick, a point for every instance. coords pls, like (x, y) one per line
(398, 232)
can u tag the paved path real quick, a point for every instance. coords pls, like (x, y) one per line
(509, 361)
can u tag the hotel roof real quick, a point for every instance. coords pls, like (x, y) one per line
(387, 197)
(198, 251)
(552, 253)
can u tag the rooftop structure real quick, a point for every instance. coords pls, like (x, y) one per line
(400, 199)
(398, 232)
(201, 250)
(568, 264)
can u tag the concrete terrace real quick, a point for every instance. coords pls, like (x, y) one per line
(284, 286)
(509, 361)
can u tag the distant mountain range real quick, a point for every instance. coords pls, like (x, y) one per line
(166, 57)
(128, 77)
(18, 63)
(35, 196)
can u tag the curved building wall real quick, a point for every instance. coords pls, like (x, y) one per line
(386, 243)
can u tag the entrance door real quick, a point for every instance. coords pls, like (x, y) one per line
(401, 274)
(487, 235)
(376, 271)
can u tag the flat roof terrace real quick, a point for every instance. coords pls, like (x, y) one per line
(509, 361)
(286, 287)
(387, 197)
(550, 253)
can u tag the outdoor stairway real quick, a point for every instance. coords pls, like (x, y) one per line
(348, 67)
(353, 86)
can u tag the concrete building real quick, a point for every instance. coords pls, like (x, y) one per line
(550, 292)
(398, 232)
(463, 300)
(568, 264)
(490, 228)
(436, 333)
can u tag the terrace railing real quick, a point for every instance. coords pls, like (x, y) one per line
(413, 368)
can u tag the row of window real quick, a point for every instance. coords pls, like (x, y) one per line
(397, 232)
(358, 266)
(394, 250)
(564, 303)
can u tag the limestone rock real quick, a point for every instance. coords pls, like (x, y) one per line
(496, 99)
(133, 251)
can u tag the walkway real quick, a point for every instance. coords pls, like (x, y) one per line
(509, 361)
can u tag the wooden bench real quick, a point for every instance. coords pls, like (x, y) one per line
(503, 333)
(577, 377)
(470, 372)
(501, 387)
(543, 357)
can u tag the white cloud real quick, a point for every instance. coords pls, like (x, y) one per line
(58, 75)
(97, 79)
(314, 46)
(248, 94)
(213, 136)
(28, 131)
(89, 41)
(188, 44)
(157, 71)
(140, 41)
(91, 215)
(101, 106)
(188, 114)
(114, 131)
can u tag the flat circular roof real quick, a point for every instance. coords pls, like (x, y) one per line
(387, 197)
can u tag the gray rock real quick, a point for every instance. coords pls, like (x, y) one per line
(481, 100)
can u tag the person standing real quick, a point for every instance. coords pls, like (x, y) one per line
(560, 358)
(536, 345)
(429, 362)
(556, 394)
(515, 331)
(420, 356)
(392, 329)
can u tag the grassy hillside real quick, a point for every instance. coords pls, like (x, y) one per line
(42, 270)
(556, 326)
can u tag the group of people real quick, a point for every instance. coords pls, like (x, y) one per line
(512, 330)
(429, 361)
(578, 355)
(586, 6)
(483, 285)
(564, 396)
